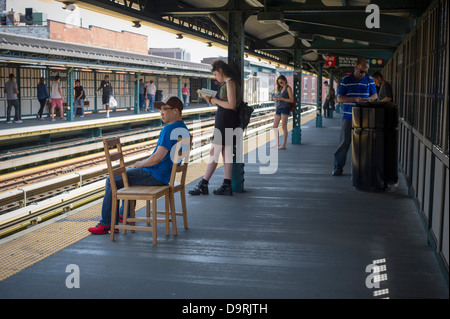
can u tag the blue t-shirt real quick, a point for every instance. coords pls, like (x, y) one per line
(167, 138)
(351, 87)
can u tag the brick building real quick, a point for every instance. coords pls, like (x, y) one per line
(92, 36)
(99, 37)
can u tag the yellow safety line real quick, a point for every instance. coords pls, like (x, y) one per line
(25, 250)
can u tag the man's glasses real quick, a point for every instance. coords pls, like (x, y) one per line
(167, 108)
(361, 71)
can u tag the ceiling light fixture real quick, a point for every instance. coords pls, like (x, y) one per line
(68, 6)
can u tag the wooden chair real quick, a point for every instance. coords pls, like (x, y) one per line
(180, 186)
(130, 194)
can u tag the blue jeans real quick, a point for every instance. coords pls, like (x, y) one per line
(75, 106)
(136, 176)
(340, 156)
(16, 105)
(141, 101)
(151, 98)
(282, 111)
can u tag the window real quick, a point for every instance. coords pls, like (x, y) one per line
(29, 79)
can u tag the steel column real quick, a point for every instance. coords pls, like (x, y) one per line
(296, 130)
(338, 105)
(319, 96)
(19, 88)
(95, 92)
(330, 112)
(236, 61)
(180, 84)
(69, 110)
(137, 75)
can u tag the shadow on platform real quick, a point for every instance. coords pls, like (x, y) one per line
(297, 234)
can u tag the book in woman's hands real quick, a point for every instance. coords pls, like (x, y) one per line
(206, 92)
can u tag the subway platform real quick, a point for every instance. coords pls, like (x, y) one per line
(299, 233)
(32, 121)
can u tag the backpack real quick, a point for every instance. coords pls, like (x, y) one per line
(332, 94)
(293, 105)
(244, 114)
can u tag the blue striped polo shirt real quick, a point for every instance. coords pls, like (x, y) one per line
(351, 87)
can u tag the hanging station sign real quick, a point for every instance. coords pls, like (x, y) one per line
(349, 62)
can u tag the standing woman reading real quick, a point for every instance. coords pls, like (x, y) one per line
(226, 118)
(283, 99)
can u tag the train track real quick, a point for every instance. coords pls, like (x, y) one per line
(35, 194)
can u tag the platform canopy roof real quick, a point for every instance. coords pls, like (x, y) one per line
(322, 29)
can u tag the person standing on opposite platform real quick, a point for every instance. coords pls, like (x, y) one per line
(150, 93)
(226, 118)
(79, 96)
(353, 89)
(57, 99)
(42, 95)
(105, 85)
(186, 94)
(283, 99)
(11, 91)
(153, 171)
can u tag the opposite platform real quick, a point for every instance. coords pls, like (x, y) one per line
(298, 233)
(33, 127)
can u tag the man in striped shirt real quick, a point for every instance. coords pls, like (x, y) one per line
(354, 88)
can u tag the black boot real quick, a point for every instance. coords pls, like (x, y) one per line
(225, 189)
(200, 189)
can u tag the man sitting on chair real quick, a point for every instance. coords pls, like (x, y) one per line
(153, 171)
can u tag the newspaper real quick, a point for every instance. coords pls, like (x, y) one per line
(206, 92)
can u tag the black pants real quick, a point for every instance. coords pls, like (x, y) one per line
(41, 109)
(326, 108)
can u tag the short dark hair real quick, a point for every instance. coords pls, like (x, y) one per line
(377, 74)
(361, 60)
(57, 78)
(11, 75)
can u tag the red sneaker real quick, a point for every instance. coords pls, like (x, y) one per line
(100, 229)
(121, 220)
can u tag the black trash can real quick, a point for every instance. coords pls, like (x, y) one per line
(158, 95)
(375, 146)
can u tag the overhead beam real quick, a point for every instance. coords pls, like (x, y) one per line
(343, 33)
(389, 24)
(303, 21)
